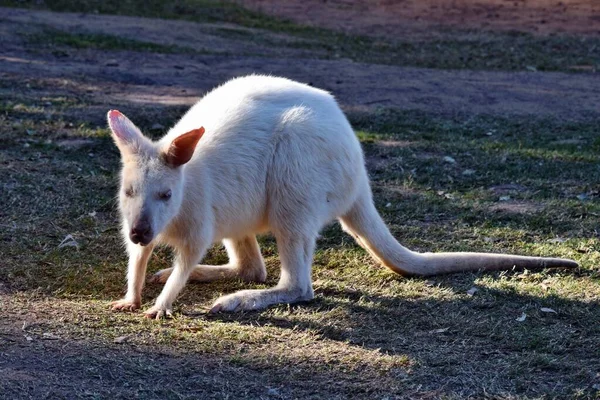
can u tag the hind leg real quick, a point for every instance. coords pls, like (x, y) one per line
(296, 252)
(245, 263)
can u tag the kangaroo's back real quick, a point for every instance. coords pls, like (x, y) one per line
(263, 134)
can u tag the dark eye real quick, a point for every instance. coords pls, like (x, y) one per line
(129, 192)
(166, 195)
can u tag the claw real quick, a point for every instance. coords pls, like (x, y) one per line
(154, 279)
(158, 314)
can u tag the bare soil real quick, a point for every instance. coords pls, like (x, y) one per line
(398, 18)
(179, 79)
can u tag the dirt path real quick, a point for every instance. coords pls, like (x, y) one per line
(399, 18)
(113, 78)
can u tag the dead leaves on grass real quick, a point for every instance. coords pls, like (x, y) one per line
(69, 241)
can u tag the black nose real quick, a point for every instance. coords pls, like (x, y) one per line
(141, 232)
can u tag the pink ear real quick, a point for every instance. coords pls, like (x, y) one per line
(126, 134)
(182, 148)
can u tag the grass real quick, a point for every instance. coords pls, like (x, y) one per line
(457, 50)
(370, 331)
(55, 37)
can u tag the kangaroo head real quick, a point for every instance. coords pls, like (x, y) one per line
(151, 178)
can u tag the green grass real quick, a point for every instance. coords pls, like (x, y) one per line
(55, 37)
(458, 49)
(369, 330)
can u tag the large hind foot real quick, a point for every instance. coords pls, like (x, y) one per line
(245, 263)
(211, 273)
(246, 300)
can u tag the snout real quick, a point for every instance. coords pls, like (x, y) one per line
(141, 232)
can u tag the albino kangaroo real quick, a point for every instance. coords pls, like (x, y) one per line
(258, 154)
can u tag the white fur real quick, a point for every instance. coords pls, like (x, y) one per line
(277, 156)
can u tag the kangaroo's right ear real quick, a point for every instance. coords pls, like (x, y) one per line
(126, 135)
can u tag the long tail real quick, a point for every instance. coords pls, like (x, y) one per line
(364, 223)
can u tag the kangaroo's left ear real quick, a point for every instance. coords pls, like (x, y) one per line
(182, 148)
(128, 138)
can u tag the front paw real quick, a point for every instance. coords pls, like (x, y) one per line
(158, 312)
(125, 305)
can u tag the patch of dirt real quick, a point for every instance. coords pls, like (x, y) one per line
(398, 18)
(151, 79)
(42, 368)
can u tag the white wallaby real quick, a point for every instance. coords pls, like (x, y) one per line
(258, 154)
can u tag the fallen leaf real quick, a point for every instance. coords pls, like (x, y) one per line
(548, 310)
(69, 241)
(521, 318)
(121, 339)
(49, 336)
(442, 330)
(449, 160)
